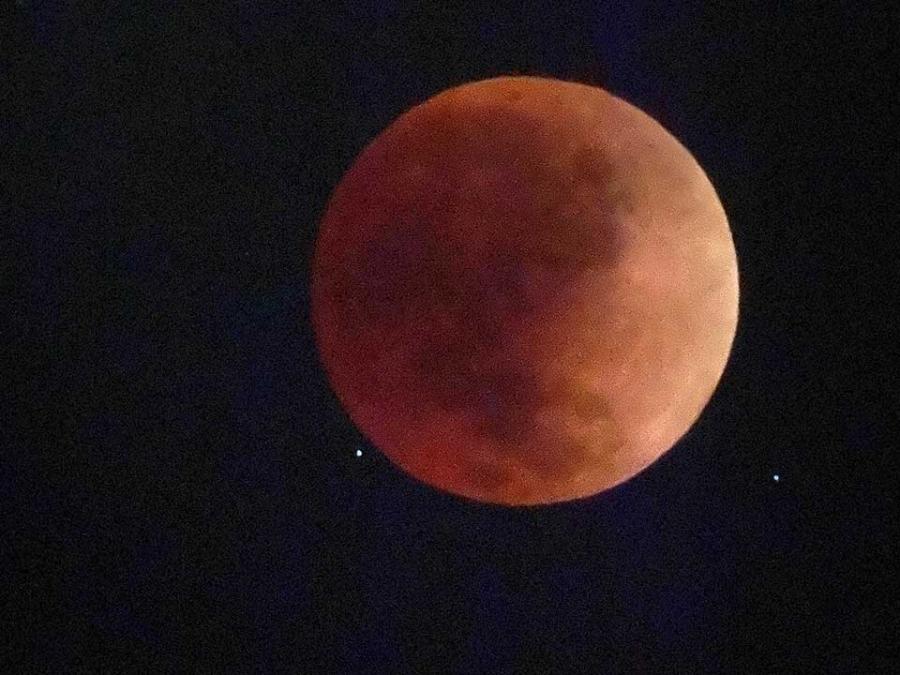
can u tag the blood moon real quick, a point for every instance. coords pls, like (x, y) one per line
(524, 291)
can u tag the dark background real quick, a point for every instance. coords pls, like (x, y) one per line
(179, 488)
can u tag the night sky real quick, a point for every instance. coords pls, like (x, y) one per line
(179, 488)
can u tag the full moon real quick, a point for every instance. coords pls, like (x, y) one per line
(524, 291)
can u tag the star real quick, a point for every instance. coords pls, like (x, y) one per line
(776, 478)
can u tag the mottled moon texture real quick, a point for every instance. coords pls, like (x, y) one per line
(524, 291)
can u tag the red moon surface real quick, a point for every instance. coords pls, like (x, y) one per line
(524, 291)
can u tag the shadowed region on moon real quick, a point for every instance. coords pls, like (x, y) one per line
(524, 291)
